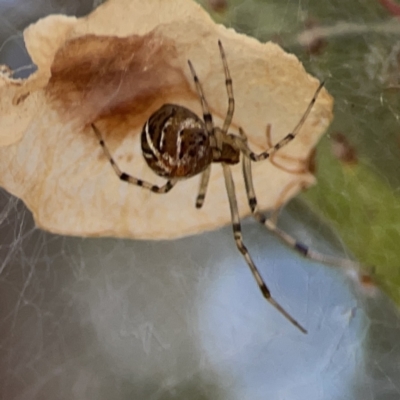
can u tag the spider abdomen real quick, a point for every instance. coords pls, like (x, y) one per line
(175, 143)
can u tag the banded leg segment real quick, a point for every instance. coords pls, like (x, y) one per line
(128, 178)
(303, 163)
(205, 177)
(229, 90)
(270, 224)
(237, 232)
(283, 142)
(248, 177)
(207, 117)
(309, 253)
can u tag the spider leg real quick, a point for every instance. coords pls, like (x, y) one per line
(205, 177)
(248, 179)
(228, 119)
(229, 90)
(128, 178)
(207, 117)
(301, 162)
(242, 145)
(301, 248)
(248, 176)
(237, 232)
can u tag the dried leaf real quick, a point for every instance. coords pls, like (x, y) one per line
(115, 67)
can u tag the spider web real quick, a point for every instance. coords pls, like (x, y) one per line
(111, 318)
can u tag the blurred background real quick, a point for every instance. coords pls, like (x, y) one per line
(122, 319)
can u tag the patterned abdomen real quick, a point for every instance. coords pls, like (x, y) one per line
(175, 143)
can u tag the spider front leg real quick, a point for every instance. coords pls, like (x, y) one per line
(237, 232)
(229, 90)
(128, 178)
(207, 117)
(242, 145)
(303, 163)
(205, 177)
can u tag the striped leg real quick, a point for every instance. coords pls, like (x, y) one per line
(207, 117)
(248, 177)
(128, 178)
(229, 90)
(289, 240)
(309, 253)
(288, 138)
(205, 177)
(230, 188)
(303, 164)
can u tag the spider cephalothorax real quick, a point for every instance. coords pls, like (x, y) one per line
(177, 144)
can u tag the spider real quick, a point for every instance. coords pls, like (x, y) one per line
(177, 145)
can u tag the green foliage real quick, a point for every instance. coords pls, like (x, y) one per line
(358, 55)
(364, 210)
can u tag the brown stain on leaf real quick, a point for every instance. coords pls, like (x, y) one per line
(21, 98)
(120, 81)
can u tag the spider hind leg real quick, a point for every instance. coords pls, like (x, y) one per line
(230, 188)
(123, 176)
